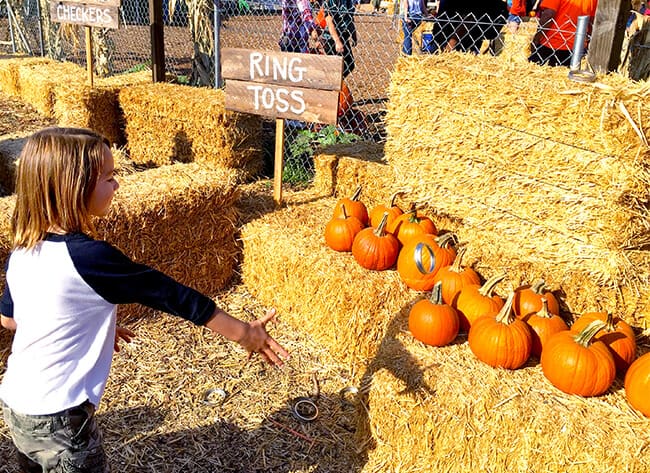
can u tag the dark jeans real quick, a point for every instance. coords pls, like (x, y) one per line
(544, 55)
(66, 442)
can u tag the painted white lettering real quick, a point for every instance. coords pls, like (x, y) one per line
(268, 99)
(283, 103)
(297, 96)
(294, 66)
(255, 68)
(256, 95)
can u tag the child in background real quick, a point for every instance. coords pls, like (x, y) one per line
(412, 13)
(61, 295)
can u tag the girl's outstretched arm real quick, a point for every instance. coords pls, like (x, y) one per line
(250, 335)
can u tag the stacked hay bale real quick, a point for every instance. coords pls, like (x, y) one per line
(9, 77)
(38, 82)
(97, 107)
(10, 149)
(169, 122)
(549, 177)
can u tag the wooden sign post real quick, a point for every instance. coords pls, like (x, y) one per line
(280, 85)
(88, 13)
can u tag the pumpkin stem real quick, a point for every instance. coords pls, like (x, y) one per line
(393, 197)
(345, 214)
(539, 287)
(436, 294)
(443, 240)
(589, 332)
(543, 312)
(356, 194)
(456, 266)
(611, 326)
(487, 288)
(380, 230)
(506, 315)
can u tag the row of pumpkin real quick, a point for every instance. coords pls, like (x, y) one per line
(583, 359)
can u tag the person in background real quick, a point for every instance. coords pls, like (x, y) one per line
(376, 6)
(462, 25)
(340, 35)
(61, 295)
(412, 13)
(553, 43)
(297, 26)
(516, 9)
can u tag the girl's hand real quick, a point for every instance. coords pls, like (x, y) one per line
(257, 340)
(339, 46)
(124, 334)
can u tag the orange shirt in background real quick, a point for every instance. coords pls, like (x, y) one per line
(562, 30)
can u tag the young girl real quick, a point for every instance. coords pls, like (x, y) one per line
(61, 294)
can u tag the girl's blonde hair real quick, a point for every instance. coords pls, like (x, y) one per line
(57, 172)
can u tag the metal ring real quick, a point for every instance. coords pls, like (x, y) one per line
(582, 76)
(344, 392)
(214, 396)
(418, 258)
(304, 409)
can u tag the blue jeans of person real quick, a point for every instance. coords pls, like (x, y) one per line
(65, 442)
(408, 27)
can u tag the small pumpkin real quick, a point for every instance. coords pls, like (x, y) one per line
(422, 257)
(528, 299)
(575, 363)
(455, 276)
(501, 340)
(637, 384)
(340, 231)
(394, 211)
(432, 321)
(617, 335)
(345, 99)
(411, 224)
(474, 301)
(375, 248)
(353, 206)
(544, 324)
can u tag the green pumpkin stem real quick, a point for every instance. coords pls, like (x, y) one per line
(506, 315)
(436, 294)
(487, 288)
(589, 332)
(357, 194)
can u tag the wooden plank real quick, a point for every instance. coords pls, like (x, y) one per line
(278, 163)
(270, 100)
(312, 71)
(84, 14)
(156, 29)
(110, 3)
(608, 34)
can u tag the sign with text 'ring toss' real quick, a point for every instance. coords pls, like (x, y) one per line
(97, 13)
(274, 84)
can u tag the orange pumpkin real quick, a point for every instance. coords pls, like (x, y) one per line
(340, 232)
(432, 321)
(474, 301)
(377, 212)
(422, 257)
(575, 363)
(345, 99)
(617, 335)
(454, 277)
(543, 325)
(411, 224)
(637, 384)
(374, 248)
(501, 340)
(353, 206)
(528, 299)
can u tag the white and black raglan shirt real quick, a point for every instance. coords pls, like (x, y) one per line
(63, 296)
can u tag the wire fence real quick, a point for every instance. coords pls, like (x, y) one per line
(191, 44)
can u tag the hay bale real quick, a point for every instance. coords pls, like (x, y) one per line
(440, 409)
(79, 105)
(9, 77)
(326, 294)
(548, 179)
(168, 123)
(37, 83)
(179, 219)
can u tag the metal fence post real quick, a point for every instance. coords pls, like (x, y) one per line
(218, 83)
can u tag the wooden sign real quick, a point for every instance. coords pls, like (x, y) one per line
(296, 86)
(98, 13)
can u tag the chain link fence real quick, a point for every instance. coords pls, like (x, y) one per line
(190, 39)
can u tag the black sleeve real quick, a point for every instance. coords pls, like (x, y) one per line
(119, 280)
